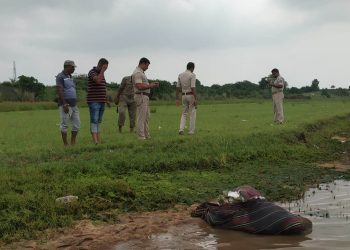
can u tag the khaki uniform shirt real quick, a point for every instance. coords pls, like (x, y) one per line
(127, 89)
(139, 77)
(186, 81)
(278, 81)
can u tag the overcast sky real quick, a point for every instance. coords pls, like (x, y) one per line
(228, 40)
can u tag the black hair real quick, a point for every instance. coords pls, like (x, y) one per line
(190, 65)
(275, 70)
(102, 61)
(144, 60)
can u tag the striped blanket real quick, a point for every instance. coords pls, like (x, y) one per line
(254, 216)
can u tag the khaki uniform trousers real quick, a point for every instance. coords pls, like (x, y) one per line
(277, 99)
(188, 107)
(130, 105)
(142, 116)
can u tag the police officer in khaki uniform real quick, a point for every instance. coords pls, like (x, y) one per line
(186, 85)
(141, 95)
(125, 100)
(277, 85)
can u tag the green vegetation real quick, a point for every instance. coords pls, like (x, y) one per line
(28, 89)
(235, 144)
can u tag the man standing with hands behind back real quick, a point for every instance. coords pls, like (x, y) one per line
(97, 97)
(186, 84)
(142, 90)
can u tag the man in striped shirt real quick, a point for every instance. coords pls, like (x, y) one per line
(97, 97)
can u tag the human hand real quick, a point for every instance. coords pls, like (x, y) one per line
(66, 108)
(104, 68)
(155, 84)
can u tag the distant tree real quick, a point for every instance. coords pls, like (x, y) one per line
(112, 86)
(325, 93)
(198, 83)
(165, 91)
(6, 84)
(333, 87)
(263, 83)
(215, 86)
(30, 84)
(306, 89)
(341, 92)
(202, 91)
(81, 81)
(294, 90)
(8, 92)
(314, 85)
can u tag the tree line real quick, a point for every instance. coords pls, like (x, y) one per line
(28, 88)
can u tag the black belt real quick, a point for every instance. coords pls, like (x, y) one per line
(188, 93)
(142, 93)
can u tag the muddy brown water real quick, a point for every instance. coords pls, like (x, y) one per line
(327, 206)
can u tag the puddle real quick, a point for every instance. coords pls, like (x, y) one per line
(328, 207)
(200, 236)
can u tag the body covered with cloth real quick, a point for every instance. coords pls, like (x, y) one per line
(245, 209)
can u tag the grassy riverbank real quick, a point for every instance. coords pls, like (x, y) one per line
(235, 144)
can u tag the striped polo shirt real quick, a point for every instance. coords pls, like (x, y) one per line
(97, 92)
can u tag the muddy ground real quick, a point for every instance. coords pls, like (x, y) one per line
(86, 235)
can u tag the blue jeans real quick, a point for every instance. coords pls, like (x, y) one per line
(96, 112)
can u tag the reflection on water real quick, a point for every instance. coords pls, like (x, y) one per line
(327, 206)
(200, 236)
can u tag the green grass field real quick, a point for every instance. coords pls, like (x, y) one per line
(235, 144)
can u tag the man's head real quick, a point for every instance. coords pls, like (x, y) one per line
(102, 63)
(190, 66)
(275, 72)
(69, 66)
(144, 63)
